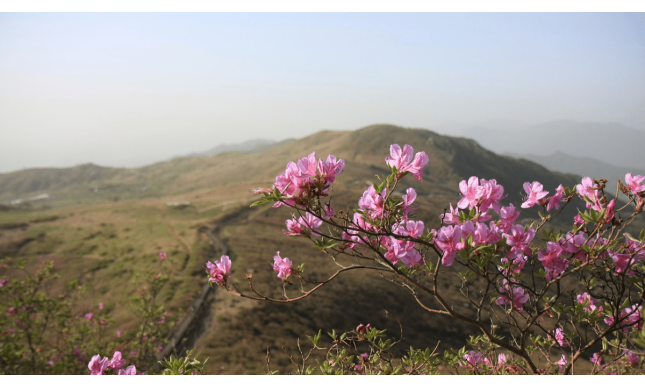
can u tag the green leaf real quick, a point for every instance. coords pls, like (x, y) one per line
(264, 200)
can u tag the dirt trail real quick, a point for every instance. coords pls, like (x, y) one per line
(194, 324)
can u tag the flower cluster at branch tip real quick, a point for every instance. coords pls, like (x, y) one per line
(514, 295)
(403, 161)
(282, 266)
(219, 271)
(300, 179)
(558, 336)
(98, 365)
(305, 225)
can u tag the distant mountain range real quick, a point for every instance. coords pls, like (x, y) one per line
(611, 143)
(583, 166)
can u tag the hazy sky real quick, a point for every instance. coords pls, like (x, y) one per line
(131, 89)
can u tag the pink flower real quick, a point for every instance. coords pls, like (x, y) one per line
(89, 316)
(501, 359)
(485, 235)
(293, 227)
(411, 228)
(220, 270)
(119, 333)
(12, 310)
(514, 294)
(402, 160)
(554, 201)
(622, 262)
(3, 282)
(117, 361)
(97, 365)
(562, 362)
(491, 195)
(507, 217)
(471, 192)
(452, 216)
(519, 238)
(633, 359)
(131, 370)
(578, 221)
(585, 299)
(101, 305)
(282, 266)
(596, 359)
(609, 214)
(307, 166)
(631, 316)
(535, 192)
(288, 182)
(559, 337)
(634, 183)
(331, 168)
(372, 202)
(474, 359)
(310, 223)
(412, 258)
(587, 190)
(162, 256)
(448, 240)
(517, 264)
(328, 211)
(160, 349)
(635, 248)
(408, 199)
(552, 260)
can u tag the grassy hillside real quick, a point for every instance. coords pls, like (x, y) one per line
(113, 239)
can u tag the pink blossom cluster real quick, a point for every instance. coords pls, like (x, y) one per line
(282, 266)
(635, 183)
(553, 260)
(512, 295)
(401, 249)
(480, 194)
(558, 336)
(305, 225)
(219, 271)
(305, 174)
(629, 317)
(404, 163)
(98, 366)
(586, 300)
(478, 360)
(590, 192)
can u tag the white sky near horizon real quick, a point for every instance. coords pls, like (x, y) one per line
(129, 89)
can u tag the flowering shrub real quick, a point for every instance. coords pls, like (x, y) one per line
(543, 298)
(43, 331)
